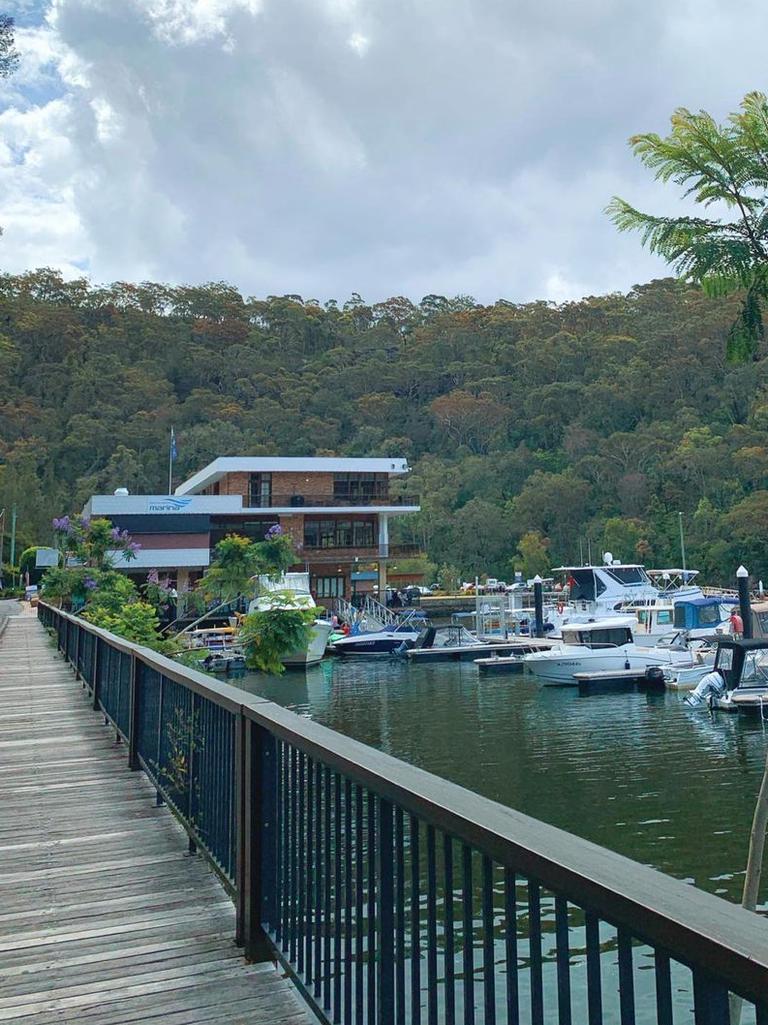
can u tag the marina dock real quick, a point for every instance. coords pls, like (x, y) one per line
(104, 916)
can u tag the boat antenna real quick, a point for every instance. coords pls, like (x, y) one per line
(589, 550)
(581, 551)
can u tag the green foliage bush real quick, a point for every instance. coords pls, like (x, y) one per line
(269, 636)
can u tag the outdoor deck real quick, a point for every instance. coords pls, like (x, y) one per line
(104, 917)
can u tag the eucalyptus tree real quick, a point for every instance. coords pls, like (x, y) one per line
(724, 169)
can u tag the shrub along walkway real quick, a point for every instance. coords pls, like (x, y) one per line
(104, 917)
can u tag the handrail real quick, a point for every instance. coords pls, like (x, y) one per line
(725, 945)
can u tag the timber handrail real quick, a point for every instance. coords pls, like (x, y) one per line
(691, 926)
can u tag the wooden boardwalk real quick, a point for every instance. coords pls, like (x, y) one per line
(104, 917)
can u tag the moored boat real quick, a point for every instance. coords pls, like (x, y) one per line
(457, 644)
(602, 646)
(738, 681)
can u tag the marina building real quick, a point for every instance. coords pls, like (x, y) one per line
(336, 510)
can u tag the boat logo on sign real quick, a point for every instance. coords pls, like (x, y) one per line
(167, 505)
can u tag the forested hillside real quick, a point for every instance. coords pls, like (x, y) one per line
(599, 419)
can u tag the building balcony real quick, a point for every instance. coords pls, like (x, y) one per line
(312, 501)
(351, 554)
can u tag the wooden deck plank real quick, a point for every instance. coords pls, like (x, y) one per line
(105, 919)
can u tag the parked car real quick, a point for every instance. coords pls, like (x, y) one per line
(494, 586)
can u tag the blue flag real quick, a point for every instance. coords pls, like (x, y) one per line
(174, 453)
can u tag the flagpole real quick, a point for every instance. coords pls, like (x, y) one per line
(170, 464)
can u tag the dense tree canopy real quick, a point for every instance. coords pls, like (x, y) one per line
(531, 428)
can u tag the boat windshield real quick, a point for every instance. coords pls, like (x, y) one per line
(755, 670)
(611, 637)
(584, 585)
(627, 575)
(453, 637)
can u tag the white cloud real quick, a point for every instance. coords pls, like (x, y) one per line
(331, 146)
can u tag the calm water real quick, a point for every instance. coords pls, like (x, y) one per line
(641, 774)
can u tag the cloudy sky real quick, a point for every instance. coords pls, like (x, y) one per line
(321, 147)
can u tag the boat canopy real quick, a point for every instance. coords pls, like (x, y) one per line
(697, 613)
(743, 663)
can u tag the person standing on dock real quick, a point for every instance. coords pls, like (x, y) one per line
(737, 624)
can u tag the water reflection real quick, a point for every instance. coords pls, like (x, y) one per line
(642, 774)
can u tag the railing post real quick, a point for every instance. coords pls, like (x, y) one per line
(249, 783)
(133, 717)
(95, 670)
(78, 633)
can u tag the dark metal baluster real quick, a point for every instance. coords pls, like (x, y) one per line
(415, 923)
(327, 930)
(359, 907)
(710, 1000)
(510, 943)
(563, 955)
(311, 868)
(431, 928)
(399, 917)
(468, 938)
(318, 909)
(663, 988)
(371, 964)
(349, 899)
(626, 979)
(534, 941)
(489, 966)
(449, 963)
(337, 901)
(594, 984)
(386, 960)
(302, 889)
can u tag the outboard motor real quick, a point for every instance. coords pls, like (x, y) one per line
(710, 686)
(654, 678)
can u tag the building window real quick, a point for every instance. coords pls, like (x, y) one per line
(362, 534)
(260, 490)
(360, 487)
(328, 587)
(339, 533)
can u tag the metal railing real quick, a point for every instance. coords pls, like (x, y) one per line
(394, 896)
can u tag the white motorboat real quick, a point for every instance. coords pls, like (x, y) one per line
(601, 646)
(291, 591)
(739, 680)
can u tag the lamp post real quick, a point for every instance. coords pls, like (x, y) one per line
(538, 605)
(742, 576)
(682, 541)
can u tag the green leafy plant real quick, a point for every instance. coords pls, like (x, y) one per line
(267, 636)
(136, 621)
(724, 164)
